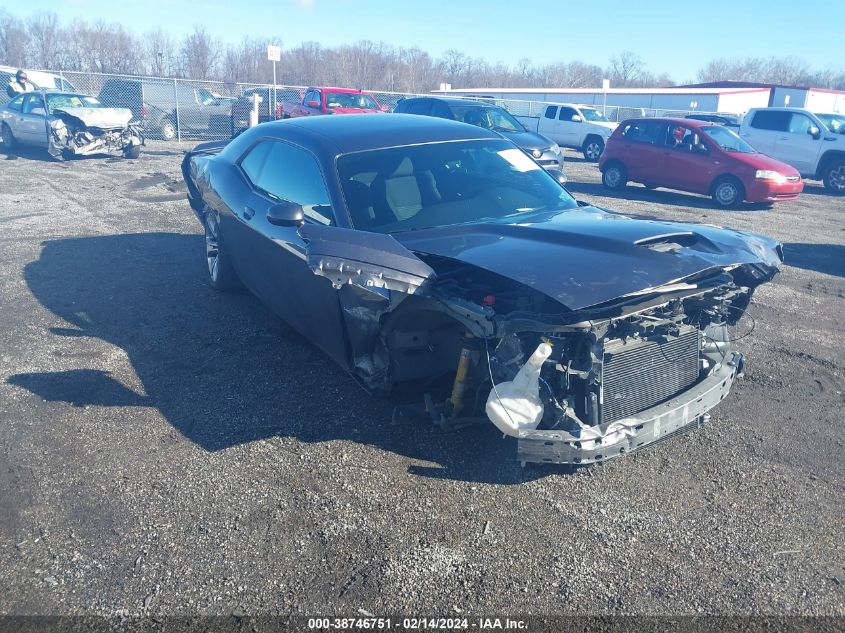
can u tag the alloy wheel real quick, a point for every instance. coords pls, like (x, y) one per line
(593, 151)
(212, 244)
(837, 178)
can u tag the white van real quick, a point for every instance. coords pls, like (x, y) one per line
(37, 78)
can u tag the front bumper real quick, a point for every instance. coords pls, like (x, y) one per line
(550, 159)
(772, 192)
(677, 415)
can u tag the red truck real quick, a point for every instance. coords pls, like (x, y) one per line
(315, 101)
(318, 101)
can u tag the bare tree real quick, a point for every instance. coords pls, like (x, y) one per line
(45, 39)
(199, 55)
(13, 40)
(160, 53)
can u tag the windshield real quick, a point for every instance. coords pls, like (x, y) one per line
(55, 101)
(350, 100)
(492, 118)
(441, 184)
(833, 122)
(594, 115)
(727, 140)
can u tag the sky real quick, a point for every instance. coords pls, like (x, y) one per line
(663, 33)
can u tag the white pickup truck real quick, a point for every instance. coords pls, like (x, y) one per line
(801, 139)
(576, 126)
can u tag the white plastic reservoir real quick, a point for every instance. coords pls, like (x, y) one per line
(515, 405)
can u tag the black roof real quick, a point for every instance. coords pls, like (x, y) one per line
(344, 133)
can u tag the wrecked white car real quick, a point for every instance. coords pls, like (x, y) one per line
(424, 253)
(67, 125)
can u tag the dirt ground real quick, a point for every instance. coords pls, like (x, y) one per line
(169, 450)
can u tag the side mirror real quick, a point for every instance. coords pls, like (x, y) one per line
(558, 175)
(576, 118)
(285, 214)
(313, 104)
(815, 132)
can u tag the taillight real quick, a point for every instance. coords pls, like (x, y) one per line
(145, 111)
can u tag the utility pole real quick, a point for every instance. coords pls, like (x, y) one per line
(274, 54)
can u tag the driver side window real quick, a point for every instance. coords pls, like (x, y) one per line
(34, 104)
(566, 114)
(288, 173)
(16, 104)
(799, 124)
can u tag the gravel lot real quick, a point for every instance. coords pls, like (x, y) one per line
(169, 450)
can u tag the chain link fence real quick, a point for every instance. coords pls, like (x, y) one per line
(187, 109)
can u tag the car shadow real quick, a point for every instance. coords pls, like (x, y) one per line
(663, 196)
(221, 368)
(28, 152)
(823, 258)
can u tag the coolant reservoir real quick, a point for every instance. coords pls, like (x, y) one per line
(515, 405)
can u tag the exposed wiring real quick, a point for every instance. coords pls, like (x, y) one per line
(742, 314)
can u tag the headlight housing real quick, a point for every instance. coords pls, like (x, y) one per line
(769, 175)
(536, 153)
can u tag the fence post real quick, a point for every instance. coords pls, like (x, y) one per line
(176, 99)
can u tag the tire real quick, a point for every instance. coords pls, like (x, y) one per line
(132, 152)
(7, 139)
(221, 274)
(834, 176)
(614, 176)
(167, 129)
(727, 192)
(592, 149)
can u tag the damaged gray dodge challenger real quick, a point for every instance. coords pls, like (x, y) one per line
(430, 254)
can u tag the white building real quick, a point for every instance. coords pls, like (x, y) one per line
(813, 99)
(736, 100)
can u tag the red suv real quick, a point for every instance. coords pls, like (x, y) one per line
(695, 156)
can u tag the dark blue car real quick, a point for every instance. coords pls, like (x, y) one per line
(436, 256)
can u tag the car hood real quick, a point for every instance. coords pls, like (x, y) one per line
(528, 140)
(762, 161)
(97, 117)
(586, 256)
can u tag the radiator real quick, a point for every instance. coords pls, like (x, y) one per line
(639, 374)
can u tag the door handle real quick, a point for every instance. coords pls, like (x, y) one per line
(249, 212)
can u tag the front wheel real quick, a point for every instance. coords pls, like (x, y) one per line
(221, 274)
(614, 176)
(7, 139)
(593, 147)
(167, 130)
(133, 151)
(834, 177)
(727, 192)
